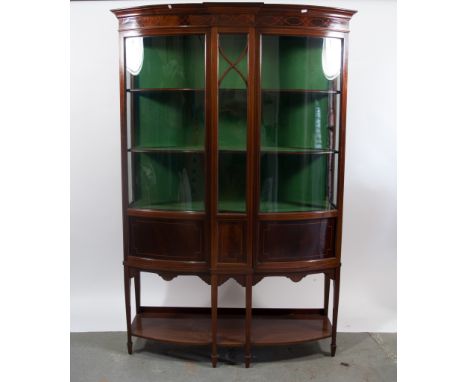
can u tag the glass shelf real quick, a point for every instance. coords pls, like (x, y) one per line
(222, 90)
(296, 150)
(311, 91)
(195, 205)
(159, 90)
(232, 149)
(294, 207)
(175, 150)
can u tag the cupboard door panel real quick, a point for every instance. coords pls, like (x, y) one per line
(167, 239)
(231, 242)
(296, 240)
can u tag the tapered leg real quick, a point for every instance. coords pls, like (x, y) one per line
(137, 291)
(214, 319)
(326, 294)
(336, 298)
(248, 319)
(128, 312)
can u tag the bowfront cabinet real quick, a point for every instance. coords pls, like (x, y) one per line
(233, 135)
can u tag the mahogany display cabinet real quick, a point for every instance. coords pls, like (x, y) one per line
(233, 123)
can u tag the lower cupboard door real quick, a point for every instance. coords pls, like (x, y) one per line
(167, 239)
(295, 241)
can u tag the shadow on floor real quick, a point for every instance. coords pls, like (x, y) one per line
(235, 356)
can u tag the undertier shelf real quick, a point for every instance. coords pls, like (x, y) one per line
(192, 326)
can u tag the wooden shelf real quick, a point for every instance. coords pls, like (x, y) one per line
(192, 326)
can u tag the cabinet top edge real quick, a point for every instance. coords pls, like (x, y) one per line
(215, 8)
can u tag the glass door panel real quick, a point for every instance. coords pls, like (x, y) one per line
(171, 119)
(165, 78)
(166, 62)
(232, 121)
(295, 182)
(169, 181)
(292, 62)
(300, 78)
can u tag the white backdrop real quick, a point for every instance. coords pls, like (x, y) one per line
(368, 292)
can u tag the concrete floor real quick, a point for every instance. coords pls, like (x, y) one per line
(102, 357)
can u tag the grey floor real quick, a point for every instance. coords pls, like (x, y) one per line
(102, 357)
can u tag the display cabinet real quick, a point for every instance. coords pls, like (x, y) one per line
(233, 134)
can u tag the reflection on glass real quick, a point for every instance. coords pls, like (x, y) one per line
(291, 62)
(134, 55)
(169, 181)
(232, 121)
(293, 121)
(331, 57)
(300, 89)
(171, 62)
(294, 183)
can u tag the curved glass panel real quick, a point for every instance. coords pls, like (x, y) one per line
(169, 181)
(292, 62)
(300, 78)
(166, 61)
(165, 78)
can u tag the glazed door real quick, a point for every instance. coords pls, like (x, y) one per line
(233, 88)
(299, 146)
(166, 99)
(166, 118)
